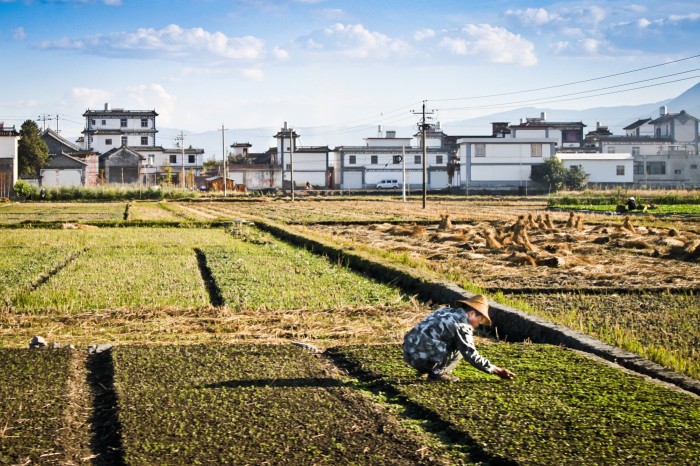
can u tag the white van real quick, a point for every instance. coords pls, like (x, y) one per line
(388, 184)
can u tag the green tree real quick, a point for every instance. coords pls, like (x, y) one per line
(551, 174)
(209, 164)
(32, 151)
(575, 178)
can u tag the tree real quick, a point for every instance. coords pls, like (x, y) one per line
(209, 164)
(551, 174)
(24, 189)
(32, 151)
(576, 179)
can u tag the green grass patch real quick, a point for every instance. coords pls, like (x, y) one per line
(32, 403)
(563, 408)
(256, 271)
(247, 404)
(61, 212)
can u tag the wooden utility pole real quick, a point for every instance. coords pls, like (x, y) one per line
(223, 152)
(291, 158)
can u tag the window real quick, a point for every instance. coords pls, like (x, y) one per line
(694, 167)
(571, 136)
(656, 168)
(108, 142)
(374, 159)
(438, 159)
(151, 160)
(536, 150)
(191, 158)
(352, 160)
(93, 122)
(635, 150)
(144, 140)
(144, 122)
(677, 172)
(122, 122)
(620, 170)
(611, 149)
(398, 159)
(638, 168)
(417, 159)
(104, 122)
(173, 158)
(124, 140)
(479, 150)
(289, 167)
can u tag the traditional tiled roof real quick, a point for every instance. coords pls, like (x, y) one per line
(116, 150)
(119, 112)
(637, 124)
(537, 123)
(672, 116)
(635, 139)
(49, 133)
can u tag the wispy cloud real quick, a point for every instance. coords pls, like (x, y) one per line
(423, 34)
(533, 16)
(172, 42)
(19, 34)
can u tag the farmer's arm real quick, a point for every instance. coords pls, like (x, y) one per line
(466, 346)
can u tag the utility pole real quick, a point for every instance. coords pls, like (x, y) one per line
(223, 152)
(181, 140)
(424, 126)
(44, 118)
(291, 159)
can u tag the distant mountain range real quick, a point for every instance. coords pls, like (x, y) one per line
(615, 118)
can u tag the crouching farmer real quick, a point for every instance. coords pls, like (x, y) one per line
(437, 344)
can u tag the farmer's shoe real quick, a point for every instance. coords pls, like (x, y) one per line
(441, 376)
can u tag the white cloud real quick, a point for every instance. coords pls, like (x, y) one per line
(493, 44)
(151, 96)
(331, 14)
(84, 97)
(595, 13)
(255, 74)
(533, 16)
(355, 41)
(280, 54)
(591, 46)
(19, 34)
(424, 34)
(171, 41)
(680, 18)
(643, 23)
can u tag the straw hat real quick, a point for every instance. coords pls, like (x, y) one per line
(478, 303)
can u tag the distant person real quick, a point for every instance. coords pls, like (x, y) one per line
(437, 344)
(631, 203)
(308, 185)
(42, 193)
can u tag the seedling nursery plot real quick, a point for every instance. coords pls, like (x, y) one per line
(563, 408)
(249, 404)
(32, 405)
(61, 212)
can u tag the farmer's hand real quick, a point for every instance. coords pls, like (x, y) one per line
(503, 373)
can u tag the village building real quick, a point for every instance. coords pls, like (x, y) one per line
(389, 157)
(68, 164)
(666, 156)
(9, 165)
(567, 134)
(603, 170)
(110, 129)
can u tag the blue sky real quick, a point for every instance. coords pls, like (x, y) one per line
(329, 64)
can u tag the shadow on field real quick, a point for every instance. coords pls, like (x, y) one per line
(215, 297)
(313, 382)
(106, 441)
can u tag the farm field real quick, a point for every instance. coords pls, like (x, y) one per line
(202, 313)
(61, 212)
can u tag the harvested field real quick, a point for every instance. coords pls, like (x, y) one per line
(61, 212)
(540, 253)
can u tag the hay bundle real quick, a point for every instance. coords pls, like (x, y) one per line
(540, 223)
(673, 232)
(491, 241)
(531, 222)
(579, 223)
(689, 251)
(636, 244)
(417, 230)
(548, 222)
(521, 259)
(670, 242)
(445, 223)
(571, 221)
(400, 231)
(552, 261)
(520, 235)
(627, 225)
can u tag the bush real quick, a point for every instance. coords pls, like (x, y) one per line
(24, 189)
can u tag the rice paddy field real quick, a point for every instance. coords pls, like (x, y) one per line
(202, 309)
